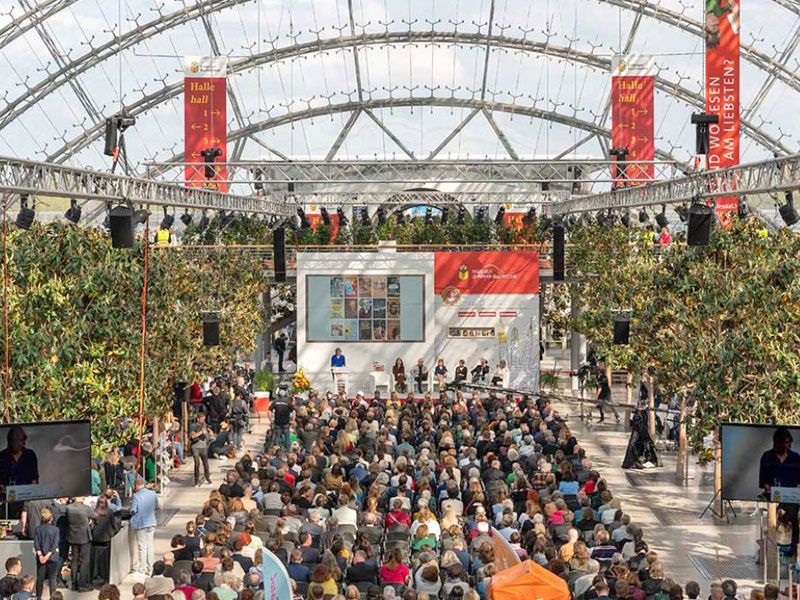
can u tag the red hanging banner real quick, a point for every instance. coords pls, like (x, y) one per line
(722, 27)
(632, 122)
(205, 121)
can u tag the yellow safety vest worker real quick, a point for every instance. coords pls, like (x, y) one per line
(162, 237)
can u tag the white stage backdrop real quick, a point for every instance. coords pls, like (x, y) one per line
(377, 307)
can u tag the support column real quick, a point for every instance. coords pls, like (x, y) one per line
(683, 457)
(577, 354)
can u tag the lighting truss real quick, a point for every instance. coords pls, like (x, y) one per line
(19, 176)
(769, 176)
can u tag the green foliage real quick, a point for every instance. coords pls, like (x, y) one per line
(75, 323)
(721, 322)
(548, 381)
(263, 381)
(225, 228)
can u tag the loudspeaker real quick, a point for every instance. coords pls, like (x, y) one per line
(279, 253)
(120, 221)
(622, 330)
(210, 331)
(701, 218)
(558, 252)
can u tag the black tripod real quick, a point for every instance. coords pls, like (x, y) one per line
(726, 510)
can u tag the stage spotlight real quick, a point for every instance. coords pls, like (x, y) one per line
(530, 217)
(626, 218)
(661, 218)
(140, 216)
(445, 212)
(702, 121)
(501, 213)
(643, 216)
(545, 186)
(683, 213)
(204, 221)
(167, 221)
(577, 185)
(73, 214)
(304, 222)
(381, 215)
(186, 219)
(480, 215)
(326, 218)
(611, 219)
(428, 215)
(342, 217)
(572, 220)
(462, 215)
(401, 218)
(26, 215)
(788, 211)
(365, 222)
(744, 211)
(209, 154)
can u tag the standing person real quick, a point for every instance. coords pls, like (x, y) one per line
(665, 238)
(32, 516)
(280, 349)
(604, 394)
(238, 419)
(105, 527)
(337, 362)
(419, 374)
(144, 505)
(45, 543)
(198, 433)
(79, 538)
(281, 417)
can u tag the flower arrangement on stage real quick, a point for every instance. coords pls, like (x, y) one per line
(300, 381)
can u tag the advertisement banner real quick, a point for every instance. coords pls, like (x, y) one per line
(205, 120)
(277, 585)
(489, 272)
(632, 120)
(722, 26)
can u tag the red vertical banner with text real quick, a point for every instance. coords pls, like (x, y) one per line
(632, 120)
(722, 26)
(205, 121)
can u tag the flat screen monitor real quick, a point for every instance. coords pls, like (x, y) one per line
(45, 460)
(750, 464)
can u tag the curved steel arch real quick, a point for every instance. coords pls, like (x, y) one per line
(591, 60)
(470, 103)
(34, 16)
(138, 34)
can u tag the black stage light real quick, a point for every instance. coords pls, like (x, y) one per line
(204, 221)
(209, 154)
(428, 215)
(701, 218)
(26, 215)
(661, 218)
(445, 212)
(381, 215)
(702, 121)
(626, 218)
(643, 216)
(167, 221)
(365, 222)
(744, 211)
(401, 218)
(530, 217)
(120, 222)
(788, 211)
(304, 222)
(186, 219)
(73, 214)
(140, 216)
(326, 218)
(110, 137)
(462, 215)
(498, 219)
(342, 218)
(683, 213)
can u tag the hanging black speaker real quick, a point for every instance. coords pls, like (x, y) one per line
(210, 330)
(622, 330)
(120, 221)
(701, 218)
(279, 253)
(558, 252)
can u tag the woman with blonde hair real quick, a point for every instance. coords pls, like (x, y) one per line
(422, 537)
(449, 517)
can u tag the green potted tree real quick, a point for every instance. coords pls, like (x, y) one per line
(263, 382)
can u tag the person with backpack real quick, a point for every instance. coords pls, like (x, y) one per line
(238, 420)
(281, 417)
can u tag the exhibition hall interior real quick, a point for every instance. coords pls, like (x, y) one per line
(399, 300)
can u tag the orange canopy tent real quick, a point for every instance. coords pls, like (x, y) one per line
(528, 581)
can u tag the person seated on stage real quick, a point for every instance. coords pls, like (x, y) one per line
(440, 372)
(480, 372)
(419, 373)
(500, 375)
(399, 374)
(461, 372)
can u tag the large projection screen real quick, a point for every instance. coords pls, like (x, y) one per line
(45, 460)
(747, 462)
(365, 308)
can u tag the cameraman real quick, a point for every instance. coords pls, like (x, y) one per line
(281, 410)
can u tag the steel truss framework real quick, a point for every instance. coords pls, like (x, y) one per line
(371, 99)
(22, 177)
(765, 177)
(529, 173)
